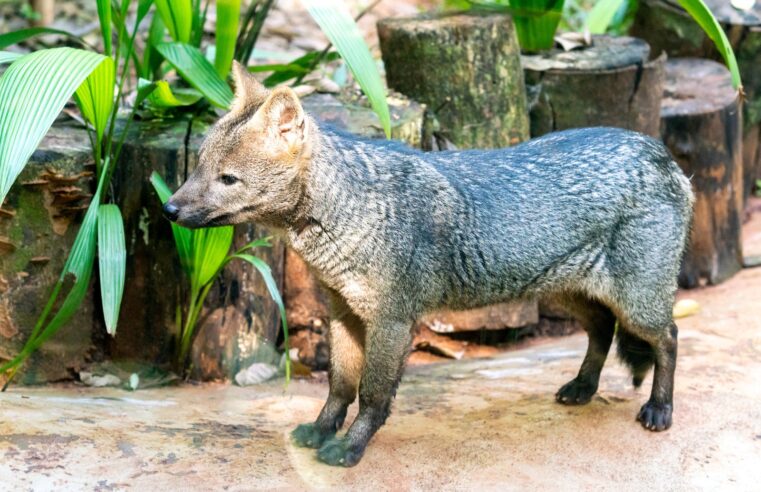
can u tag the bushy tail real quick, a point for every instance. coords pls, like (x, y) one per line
(635, 353)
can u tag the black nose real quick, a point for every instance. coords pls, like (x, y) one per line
(171, 212)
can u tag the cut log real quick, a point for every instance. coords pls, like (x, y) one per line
(701, 125)
(666, 26)
(466, 69)
(613, 82)
(240, 322)
(38, 223)
(514, 314)
(153, 289)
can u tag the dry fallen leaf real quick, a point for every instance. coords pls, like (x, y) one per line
(686, 307)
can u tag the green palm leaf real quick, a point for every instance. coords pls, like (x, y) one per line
(338, 25)
(104, 15)
(112, 257)
(14, 37)
(210, 247)
(178, 18)
(33, 90)
(601, 15)
(9, 57)
(269, 281)
(79, 266)
(164, 97)
(95, 96)
(703, 16)
(228, 17)
(197, 71)
(182, 236)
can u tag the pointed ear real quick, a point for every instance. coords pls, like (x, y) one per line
(249, 92)
(285, 123)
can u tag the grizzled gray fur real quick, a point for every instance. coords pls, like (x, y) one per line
(596, 218)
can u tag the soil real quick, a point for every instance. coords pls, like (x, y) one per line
(481, 424)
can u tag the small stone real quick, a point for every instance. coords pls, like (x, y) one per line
(90, 379)
(255, 373)
(326, 85)
(304, 90)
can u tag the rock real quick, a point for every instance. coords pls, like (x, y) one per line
(255, 373)
(89, 379)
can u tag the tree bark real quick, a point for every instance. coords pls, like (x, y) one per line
(666, 26)
(466, 68)
(613, 82)
(38, 223)
(701, 125)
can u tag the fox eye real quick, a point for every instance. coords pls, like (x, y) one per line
(228, 179)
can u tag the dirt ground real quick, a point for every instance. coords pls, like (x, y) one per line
(482, 424)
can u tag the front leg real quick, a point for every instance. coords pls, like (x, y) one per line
(346, 337)
(387, 346)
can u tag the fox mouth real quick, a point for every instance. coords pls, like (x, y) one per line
(219, 220)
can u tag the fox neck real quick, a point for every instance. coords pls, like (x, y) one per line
(325, 205)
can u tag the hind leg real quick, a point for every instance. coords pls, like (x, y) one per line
(346, 338)
(655, 415)
(599, 323)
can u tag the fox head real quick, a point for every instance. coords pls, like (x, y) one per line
(251, 163)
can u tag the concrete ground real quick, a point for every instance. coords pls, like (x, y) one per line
(482, 424)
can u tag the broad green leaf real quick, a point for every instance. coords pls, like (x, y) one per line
(8, 57)
(151, 57)
(144, 89)
(104, 15)
(112, 258)
(143, 6)
(164, 97)
(703, 16)
(228, 16)
(177, 16)
(15, 37)
(601, 15)
(198, 72)
(95, 96)
(33, 90)
(302, 65)
(210, 248)
(337, 24)
(182, 236)
(269, 281)
(256, 243)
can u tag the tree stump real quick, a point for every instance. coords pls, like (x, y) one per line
(38, 223)
(152, 292)
(701, 126)
(666, 26)
(466, 68)
(240, 322)
(613, 82)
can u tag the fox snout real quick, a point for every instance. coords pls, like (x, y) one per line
(171, 211)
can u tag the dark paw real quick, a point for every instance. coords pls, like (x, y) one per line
(576, 392)
(655, 416)
(309, 436)
(338, 452)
